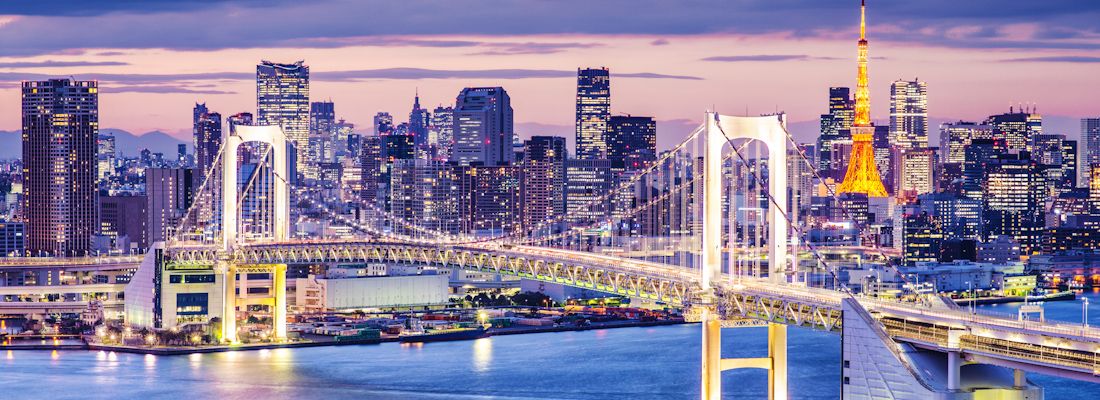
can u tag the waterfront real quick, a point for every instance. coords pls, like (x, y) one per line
(634, 363)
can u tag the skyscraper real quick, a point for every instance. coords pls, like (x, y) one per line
(836, 128)
(1015, 129)
(916, 172)
(593, 112)
(631, 141)
(956, 136)
(419, 120)
(1012, 199)
(483, 127)
(543, 191)
(282, 98)
(1090, 134)
(237, 119)
(322, 133)
(207, 131)
(169, 193)
(909, 114)
(443, 127)
(60, 131)
(383, 123)
(862, 176)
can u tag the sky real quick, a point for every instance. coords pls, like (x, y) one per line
(672, 60)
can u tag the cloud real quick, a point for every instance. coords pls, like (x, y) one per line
(1058, 59)
(51, 63)
(160, 89)
(767, 58)
(659, 42)
(507, 49)
(138, 82)
(48, 27)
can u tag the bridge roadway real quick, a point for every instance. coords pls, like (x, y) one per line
(1054, 348)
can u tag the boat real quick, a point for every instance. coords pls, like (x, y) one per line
(447, 335)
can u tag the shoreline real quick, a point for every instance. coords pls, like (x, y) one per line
(179, 351)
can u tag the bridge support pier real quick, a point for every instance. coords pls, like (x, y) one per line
(229, 304)
(1019, 379)
(953, 370)
(777, 353)
(714, 364)
(278, 314)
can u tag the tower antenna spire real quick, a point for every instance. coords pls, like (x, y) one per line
(862, 19)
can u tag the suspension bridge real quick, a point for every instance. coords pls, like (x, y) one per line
(711, 227)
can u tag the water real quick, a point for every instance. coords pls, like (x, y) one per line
(630, 363)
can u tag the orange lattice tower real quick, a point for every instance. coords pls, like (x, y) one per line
(862, 176)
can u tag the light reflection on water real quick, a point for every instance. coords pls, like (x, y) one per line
(629, 363)
(483, 354)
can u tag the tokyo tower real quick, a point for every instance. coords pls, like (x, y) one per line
(862, 176)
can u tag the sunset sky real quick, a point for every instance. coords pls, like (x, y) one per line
(669, 59)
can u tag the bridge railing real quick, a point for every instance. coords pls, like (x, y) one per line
(1064, 329)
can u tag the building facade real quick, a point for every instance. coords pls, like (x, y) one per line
(909, 114)
(282, 99)
(593, 112)
(483, 127)
(60, 133)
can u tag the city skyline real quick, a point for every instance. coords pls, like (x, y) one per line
(536, 63)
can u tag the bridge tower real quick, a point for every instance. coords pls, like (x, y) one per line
(719, 130)
(274, 137)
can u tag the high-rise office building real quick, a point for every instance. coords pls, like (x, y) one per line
(916, 172)
(492, 198)
(244, 118)
(123, 219)
(593, 112)
(956, 136)
(909, 114)
(347, 141)
(282, 98)
(169, 193)
(543, 191)
(1012, 199)
(60, 133)
(631, 141)
(322, 132)
(922, 238)
(959, 216)
(383, 123)
(483, 127)
(977, 154)
(207, 132)
(419, 121)
(106, 154)
(442, 128)
(370, 163)
(836, 128)
(1090, 134)
(587, 184)
(423, 193)
(1070, 164)
(1015, 129)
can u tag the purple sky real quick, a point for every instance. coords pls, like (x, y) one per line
(669, 59)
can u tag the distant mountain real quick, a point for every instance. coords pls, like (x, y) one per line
(11, 143)
(129, 144)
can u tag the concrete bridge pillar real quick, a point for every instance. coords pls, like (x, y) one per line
(278, 314)
(229, 302)
(953, 369)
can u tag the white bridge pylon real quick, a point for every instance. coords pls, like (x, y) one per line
(719, 130)
(273, 136)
